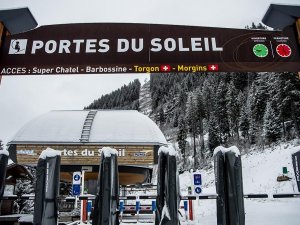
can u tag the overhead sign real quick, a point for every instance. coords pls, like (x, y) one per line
(147, 48)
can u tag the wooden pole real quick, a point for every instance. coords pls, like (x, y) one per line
(3, 33)
(298, 31)
(1, 40)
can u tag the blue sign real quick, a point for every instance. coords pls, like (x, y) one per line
(89, 206)
(122, 206)
(197, 179)
(76, 189)
(185, 204)
(77, 177)
(137, 206)
(198, 190)
(153, 206)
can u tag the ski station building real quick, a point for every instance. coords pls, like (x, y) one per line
(80, 135)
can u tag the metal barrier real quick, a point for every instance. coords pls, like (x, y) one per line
(292, 195)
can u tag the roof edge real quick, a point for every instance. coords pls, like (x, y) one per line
(87, 143)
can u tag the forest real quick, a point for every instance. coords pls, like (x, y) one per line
(126, 97)
(200, 111)
(241, 109)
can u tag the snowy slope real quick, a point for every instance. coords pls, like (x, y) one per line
(145, 99)
(260, 171)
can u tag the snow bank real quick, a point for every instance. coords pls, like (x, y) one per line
(233, 149)
(49, 152)
(168, 150)
(261, 169)
(107, 151)
(295, 149)
(4, 152)
(10, 162)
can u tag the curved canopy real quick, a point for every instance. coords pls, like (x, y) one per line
(108, 127)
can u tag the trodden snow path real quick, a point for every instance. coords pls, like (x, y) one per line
(258, 212)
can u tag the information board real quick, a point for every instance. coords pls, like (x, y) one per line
(147, 48)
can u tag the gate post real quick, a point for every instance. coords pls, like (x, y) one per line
(219, 168)
(107, 199)
(47, 188)
(296, 165)
(168, 197)
(229, 186)
(3, 165)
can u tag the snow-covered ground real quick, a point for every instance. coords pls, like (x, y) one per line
(260, 171)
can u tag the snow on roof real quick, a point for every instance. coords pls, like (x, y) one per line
(49, 152)
(168, 150)
(107, 151)
(233, 149)
(125, 126)
(4, 152)
(55, 126)
(109, 127)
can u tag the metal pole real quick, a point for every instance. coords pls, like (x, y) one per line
(82, 193)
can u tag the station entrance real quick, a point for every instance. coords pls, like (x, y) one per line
(161, 49)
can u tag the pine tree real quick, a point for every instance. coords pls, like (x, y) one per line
(259, 97)
(161, 116)
(244, 120)
(1, 145)
(290, 103)
(192, 124)
(213, 134)
(233, 109)
(272, 124)
(200, 116)
(222, 113)
(181, 137)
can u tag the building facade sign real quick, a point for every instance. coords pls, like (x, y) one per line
(87, 154)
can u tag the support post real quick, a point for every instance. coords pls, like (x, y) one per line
(47, 188)
(229, 186)
(3, 33)
(296, 165)
(298, 31)
(168, 196)
(107, 199)
(3, 165)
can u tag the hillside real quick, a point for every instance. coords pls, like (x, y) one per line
(126, 97)
(200, 111)
(260, 170)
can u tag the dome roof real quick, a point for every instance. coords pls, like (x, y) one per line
(106, 127)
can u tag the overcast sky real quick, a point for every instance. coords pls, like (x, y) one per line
(22, 98)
